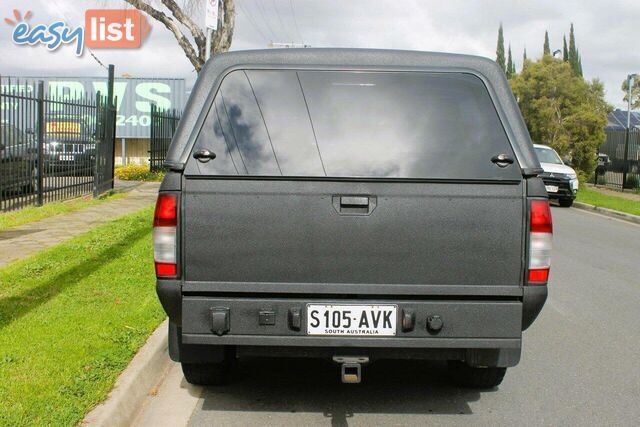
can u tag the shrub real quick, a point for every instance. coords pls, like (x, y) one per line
(137, 173)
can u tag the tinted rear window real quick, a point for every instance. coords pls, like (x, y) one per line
(354, 124)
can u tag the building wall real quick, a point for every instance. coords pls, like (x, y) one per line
(136, 151)
(134, 96)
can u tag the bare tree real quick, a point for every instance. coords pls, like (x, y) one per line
(194, 47)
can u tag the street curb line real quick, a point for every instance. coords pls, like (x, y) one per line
(144, 372)
(608, 212)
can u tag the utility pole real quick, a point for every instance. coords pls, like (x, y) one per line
(630, 79)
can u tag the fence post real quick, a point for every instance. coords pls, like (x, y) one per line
(111, 104)
(152, 154)
(40, 137)
(98, 141)
(626, 158)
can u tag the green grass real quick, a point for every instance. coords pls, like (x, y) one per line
(593, 197)
(36, 213)
(71, 319)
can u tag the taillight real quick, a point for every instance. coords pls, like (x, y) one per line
(165, 223)
(540, 242)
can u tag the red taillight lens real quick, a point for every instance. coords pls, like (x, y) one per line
(166, 214)
(166, 270)
(165, 222)
(540, 242)
(538, 276)
(541, 217)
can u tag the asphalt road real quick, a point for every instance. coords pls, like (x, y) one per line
(580, 363)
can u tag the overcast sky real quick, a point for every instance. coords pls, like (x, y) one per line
(604, 32)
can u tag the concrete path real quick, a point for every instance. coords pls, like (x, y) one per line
(25, 240)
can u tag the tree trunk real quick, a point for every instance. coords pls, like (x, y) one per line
(224, 35)
(195, 53)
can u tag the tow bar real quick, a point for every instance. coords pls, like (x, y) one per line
(351, 368)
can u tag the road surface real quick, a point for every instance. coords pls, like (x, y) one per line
(580, 361)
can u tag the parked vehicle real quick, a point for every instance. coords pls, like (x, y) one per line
(69, 145)
(69, 157)
(17, 162)
(560, 180)
(353, 205)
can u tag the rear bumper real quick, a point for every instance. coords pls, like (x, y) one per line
(484, 325)
(478, 324)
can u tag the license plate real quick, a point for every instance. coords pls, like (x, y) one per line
(63, 127)
(551, 188)
(66, 158)
(353, 320)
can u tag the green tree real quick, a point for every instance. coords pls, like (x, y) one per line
(524, 58)
(511, 68)
(547, 47)
(565, 49)
(579, 65)
(563, 110)
(574, 56)
(500, 50)
(635, 92)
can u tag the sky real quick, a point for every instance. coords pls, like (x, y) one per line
(604, 32)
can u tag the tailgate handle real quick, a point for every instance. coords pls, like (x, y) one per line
(354, 205)
(354, 201)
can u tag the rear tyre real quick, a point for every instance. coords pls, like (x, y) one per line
(565, 203)
(207, 373)
(472, 377)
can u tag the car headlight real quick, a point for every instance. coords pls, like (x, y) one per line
(574, 184)
(572, 175)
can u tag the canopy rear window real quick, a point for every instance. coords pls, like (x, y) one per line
(354, 124)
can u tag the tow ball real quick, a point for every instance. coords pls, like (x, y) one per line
(351, 368)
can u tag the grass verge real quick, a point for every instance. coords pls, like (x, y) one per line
(36, 213)
(593, 197)
(71, 319)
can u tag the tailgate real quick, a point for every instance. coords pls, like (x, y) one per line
(297, 232)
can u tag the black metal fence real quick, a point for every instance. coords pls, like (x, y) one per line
(163, 126)
(53, 146)
(619, 160)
